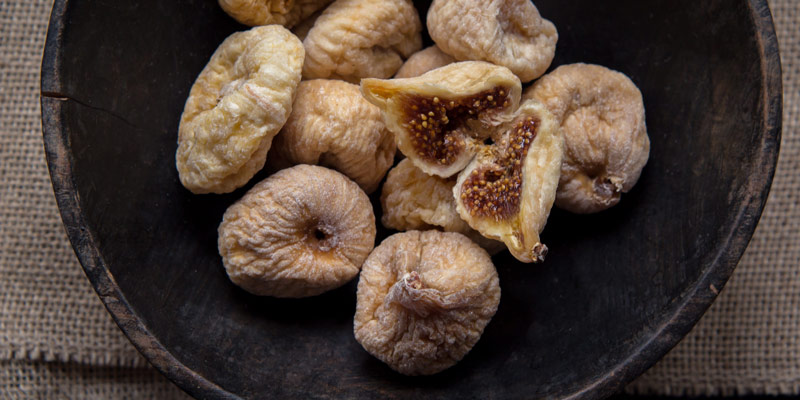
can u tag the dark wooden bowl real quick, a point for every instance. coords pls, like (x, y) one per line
(618, 289)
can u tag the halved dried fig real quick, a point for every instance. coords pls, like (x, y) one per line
(355, 39)
(266, 12)
(439, 119)
(601, 113)
(238, 104)
(334, 126)
(510, 33)
(414, 200)
(423, 61)
(302, 231)
(424, 299)
(507, 191)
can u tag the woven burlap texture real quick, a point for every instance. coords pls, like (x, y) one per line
(48, 311)
(57, 341)
(38, 380)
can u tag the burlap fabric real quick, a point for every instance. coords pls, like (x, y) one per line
(57, 341)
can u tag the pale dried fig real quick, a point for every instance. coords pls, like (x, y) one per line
(441, 120)
(606, 144)
(507, 191)
(334, 126)
(302, 231)
(267, 12)
(355, 39)
(510, 33)
(423, 61)
(414, 200)
(236, 106)
(424, 299)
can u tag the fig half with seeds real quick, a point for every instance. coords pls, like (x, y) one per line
(440, 118)
(508, 189)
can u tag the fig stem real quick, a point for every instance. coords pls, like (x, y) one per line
(410, 292)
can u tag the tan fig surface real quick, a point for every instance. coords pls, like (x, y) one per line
(424, 299)
(355, 39)
(302, 231)
(601, 113)
(266, 12)
(332, 125)
(510, 33)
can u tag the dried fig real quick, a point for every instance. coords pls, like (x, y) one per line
(424, 299)
(424, 61)
(440, 121)
(510, 33)
(412, 199)
(355, 39)
(266, 12)
(507, 191)
(239, 102)
(298, 233)
(606, 144)
(334, 126)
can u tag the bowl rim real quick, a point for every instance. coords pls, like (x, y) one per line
(697, 300)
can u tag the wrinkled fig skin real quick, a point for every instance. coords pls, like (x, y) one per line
(433, 116)
(414, 200)
(332, 125)
(510, 33)
(424, 299)
(601, 113)
(355, 39)
(267, 12)
(236, 106)
(302, 231)
(516, 181)
(423, 61)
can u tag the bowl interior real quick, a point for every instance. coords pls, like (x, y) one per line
(617, 290)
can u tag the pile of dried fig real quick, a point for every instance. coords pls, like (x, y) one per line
(483, 164)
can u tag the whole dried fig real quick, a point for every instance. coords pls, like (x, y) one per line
(266, 12)
(334, 126)
(602, 116)
(465, 115)
(302, 231)
(414, 200)
(424, 299)
(424, 61)
(355, 39)
(510, 33)
(236, 106)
